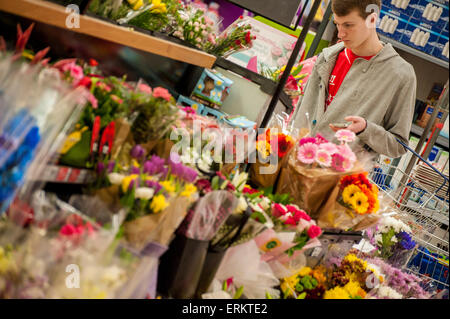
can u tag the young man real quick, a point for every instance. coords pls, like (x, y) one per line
(360, 80)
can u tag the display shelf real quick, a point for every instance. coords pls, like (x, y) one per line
(65, 175)
(415, 52)
(53, 14)
(267, 85)
(441, 140)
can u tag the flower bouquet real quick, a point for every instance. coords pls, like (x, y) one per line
(273, 150)
(236, 37)
(306, 283)
(243, 272)
(352, 204)
(315, 168)
(393, 239)
(351, 278)
(294, 231)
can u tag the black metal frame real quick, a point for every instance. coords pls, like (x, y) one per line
(291, 62)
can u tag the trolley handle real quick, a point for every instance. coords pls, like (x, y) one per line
(423, 160)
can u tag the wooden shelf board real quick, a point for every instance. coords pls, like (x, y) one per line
(53, 14)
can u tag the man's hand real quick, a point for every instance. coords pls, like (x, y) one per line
(358, 124)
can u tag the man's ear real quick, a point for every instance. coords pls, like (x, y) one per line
(371, 20)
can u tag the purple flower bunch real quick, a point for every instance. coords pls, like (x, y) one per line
(406, 284)
(181, 171)
(405, 241)
(154, 184)
(155, 166)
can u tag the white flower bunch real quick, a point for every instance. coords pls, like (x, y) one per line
(387, 292)
(390, 222)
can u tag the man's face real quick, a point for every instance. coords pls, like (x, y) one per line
(352, 29)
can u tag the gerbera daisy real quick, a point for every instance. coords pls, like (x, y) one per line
(360, 203)
(331, 148)
(323, 158)
(345, 136)
(284, 144)
(307, 153)
(349, 192)
(307, 140)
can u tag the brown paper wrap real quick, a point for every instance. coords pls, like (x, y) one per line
(122, 135)
(157, 227)
(163, 147)
(266, 180)
(310, 187)
(334, 215)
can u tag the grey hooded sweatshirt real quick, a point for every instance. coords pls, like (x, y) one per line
(381, 90)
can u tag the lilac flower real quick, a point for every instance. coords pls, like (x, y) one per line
(155, 185)
(137, 152)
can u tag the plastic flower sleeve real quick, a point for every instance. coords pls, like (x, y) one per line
(242, 263)
(209, 214)
(31, 130)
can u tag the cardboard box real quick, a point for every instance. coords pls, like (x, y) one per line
(428, 10)
(392, 24)
(402, 6)
(441, 48)
(420, 36)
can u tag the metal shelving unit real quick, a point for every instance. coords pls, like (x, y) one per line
(415, 52)
(441, 140)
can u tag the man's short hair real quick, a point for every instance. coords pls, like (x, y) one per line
(344, 7)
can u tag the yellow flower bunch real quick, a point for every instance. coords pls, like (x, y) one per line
(189, 189)
(352, 290)
(158, 203)
(263, 148)
(360, 194)
(158, 7)
(127, 180)
(169, 186)
(7, 264)
(136, 4)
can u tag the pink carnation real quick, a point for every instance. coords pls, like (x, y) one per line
(93, 100)
(307, 153)
(345, 136)
(145, 88)
(278, 210)
(163, 93)
(314, 231)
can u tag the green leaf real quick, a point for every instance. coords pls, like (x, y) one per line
(268, 296)
(215, 183)
(259, 216)
(238, 293)
(225, 286)
(302, 295)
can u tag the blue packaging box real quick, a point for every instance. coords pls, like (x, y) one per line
(416, 30)
(442, 5)
(398, 6)
(386, 19)
(441, 48)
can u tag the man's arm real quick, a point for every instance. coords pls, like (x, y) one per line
(397, 122)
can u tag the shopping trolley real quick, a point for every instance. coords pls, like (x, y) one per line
(421, 199)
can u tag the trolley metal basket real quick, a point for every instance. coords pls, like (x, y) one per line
(421, 199)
